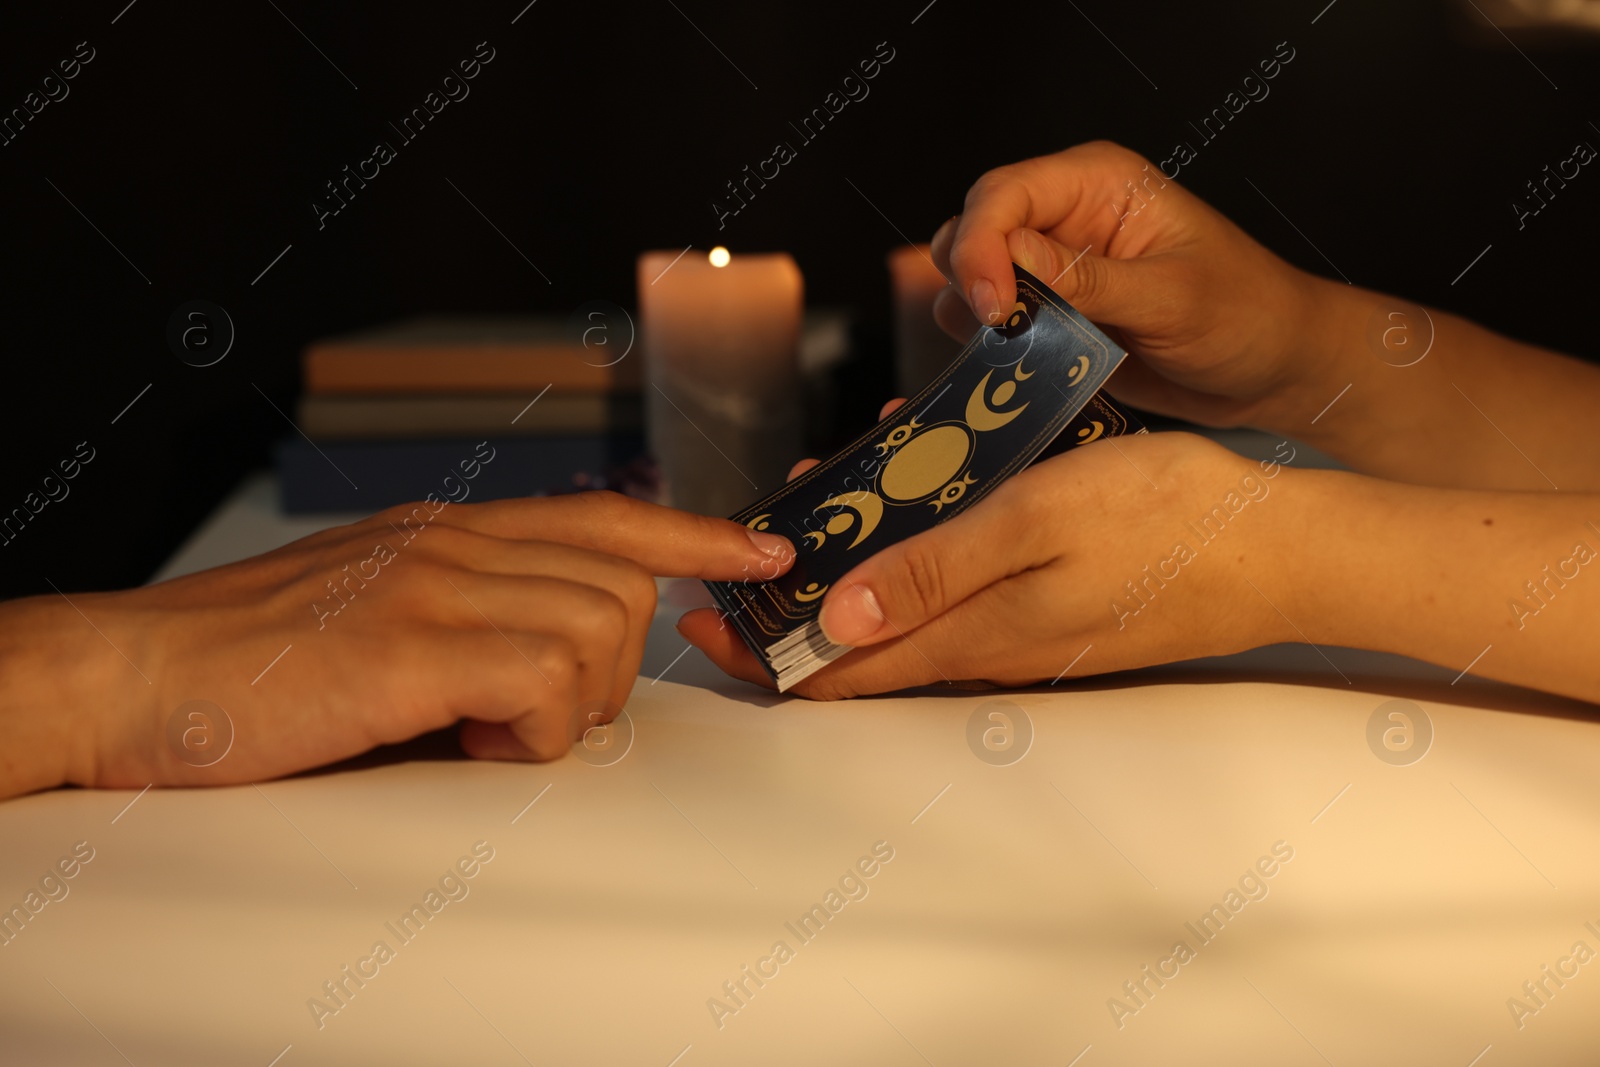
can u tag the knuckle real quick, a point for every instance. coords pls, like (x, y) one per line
(1031, 499)
(417, 512)
(351, 533)
(827, 686)
(1086, 280)
(548, 743)
(991, 182)
(728, 537)
(434, 575)
(638, 591)
(422, 587)
(962, 261)
(582, 623)
(919, 592)
(603, 507)
(392, 514)
(557, 663)
(603, 620)
(966, 261)
(1112, 152)
(719, 529)
(445, 542)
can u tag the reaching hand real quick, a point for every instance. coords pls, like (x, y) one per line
(524, 620)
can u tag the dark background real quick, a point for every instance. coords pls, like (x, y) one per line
(200, 134)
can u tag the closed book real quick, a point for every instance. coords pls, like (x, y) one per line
(505, 354)
(368, 476)
(335, 418)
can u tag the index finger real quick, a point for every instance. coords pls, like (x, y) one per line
(1076, 189)
(665, 541)
(997, 203)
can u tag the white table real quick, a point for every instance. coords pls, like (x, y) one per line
(1019, 899)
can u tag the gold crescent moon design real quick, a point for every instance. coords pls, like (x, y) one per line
(980, 416)
(820, 537)
(1085, 436)
(868, 505)
(898, 436)
(810, 592)
(953, 492)
(1018, 372)
(1078, 371)
(760, 521)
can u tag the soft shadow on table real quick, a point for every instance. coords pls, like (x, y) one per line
(436, 747)
(1354, 670)
(1379, 674)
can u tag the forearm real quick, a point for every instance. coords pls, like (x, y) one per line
(1508, 582)
(1475, 410)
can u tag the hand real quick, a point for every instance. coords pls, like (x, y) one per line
(508, 617)
(1077, 552)
(1216, 325)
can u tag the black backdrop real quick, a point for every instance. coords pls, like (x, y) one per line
(199, 136)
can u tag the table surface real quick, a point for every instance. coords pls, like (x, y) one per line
(1415, 901)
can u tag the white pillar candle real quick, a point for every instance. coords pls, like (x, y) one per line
(721, 338)
(921, 348)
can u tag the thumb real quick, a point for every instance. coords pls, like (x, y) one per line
(925, 576)
(1103, 289)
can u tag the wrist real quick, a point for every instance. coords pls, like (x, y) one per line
(1324, 347)
(1345, 560)
(1272, 577)
(50, 673)
(1373, 363)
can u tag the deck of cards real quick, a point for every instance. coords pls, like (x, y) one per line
(1017, 389)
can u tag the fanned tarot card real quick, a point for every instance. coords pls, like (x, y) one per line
(1013, 391)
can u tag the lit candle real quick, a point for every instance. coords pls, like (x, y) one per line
(921, 348)
(721, 338)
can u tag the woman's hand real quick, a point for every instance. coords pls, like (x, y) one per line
(524, 620)
(1217, 326)
(1222, 332)
(1119, 554)
(1141, 550)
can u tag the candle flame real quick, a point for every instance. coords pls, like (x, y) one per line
(719, 256)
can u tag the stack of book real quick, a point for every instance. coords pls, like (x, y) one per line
(389, 413)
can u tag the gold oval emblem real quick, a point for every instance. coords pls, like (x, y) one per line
(926, 463)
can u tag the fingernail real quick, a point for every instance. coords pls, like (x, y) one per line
(985, 303)
(1035, 254)
(850, 615)
(770, 544)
